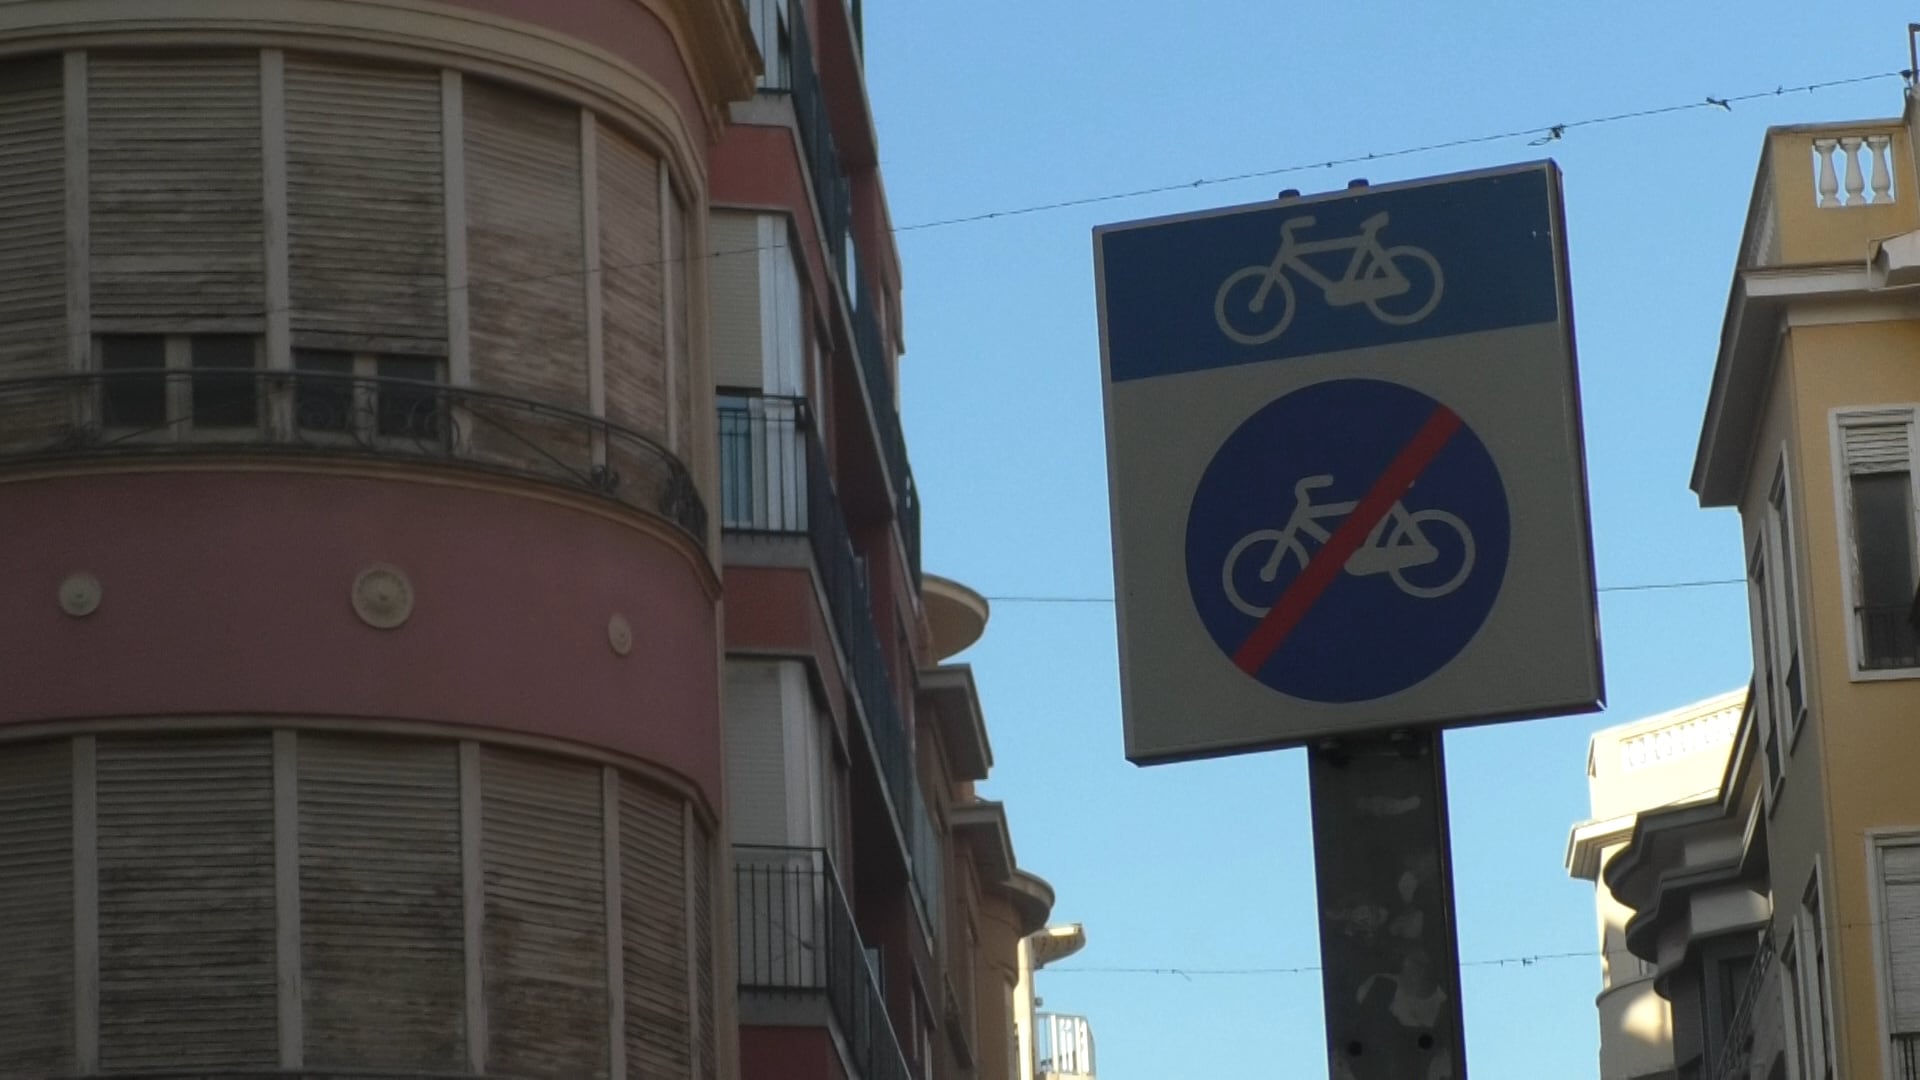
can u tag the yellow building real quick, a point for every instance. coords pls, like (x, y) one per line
(1672, 760)
(1809, 433)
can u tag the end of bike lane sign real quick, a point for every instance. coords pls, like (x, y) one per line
(1344, 451)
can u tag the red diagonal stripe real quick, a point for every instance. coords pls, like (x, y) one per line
(1326, 564)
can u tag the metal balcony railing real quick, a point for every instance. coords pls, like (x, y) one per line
(149, 411)
(795, 936)
(871, 347)
(774, 479)
(1887, 638)
(1736, 1051)
(1906, 1055)
(1062, 1045)
(832, 194)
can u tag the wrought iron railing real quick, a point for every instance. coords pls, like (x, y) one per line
(832, 193)
(1887, 637)
(1062, 1045)
(1736, 1050)
(870, 344)
(1906, 1055)
(795, 936)
(774, 479)
(200, 410)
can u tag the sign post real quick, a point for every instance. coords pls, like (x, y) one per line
(1349, 510)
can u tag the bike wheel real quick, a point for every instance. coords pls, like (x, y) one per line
(1459, 576)
(1242, 308)
(1425, 278)
(1288, 545)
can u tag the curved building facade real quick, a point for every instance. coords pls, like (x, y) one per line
(361, 648)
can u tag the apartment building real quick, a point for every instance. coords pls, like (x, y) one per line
(1809, 434)
(465, 610)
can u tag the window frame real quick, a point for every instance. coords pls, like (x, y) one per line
(1815, 1037)
(179, 378)
(1790, 601)
(1839, 420)
(1878, 840)
(1774, 744)
(364, 416)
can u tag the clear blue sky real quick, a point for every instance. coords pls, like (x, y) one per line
(999, 104)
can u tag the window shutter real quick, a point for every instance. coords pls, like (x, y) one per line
(756, 765)
(526, 251)
(1876, 448)
(382, 925)
(734, 279)
(187, 929)
(33, 275)
(546, 947)
(365, 218)
(36, 909)
(653, 890)
(633, 306)
(1900, 884)
(176, 200)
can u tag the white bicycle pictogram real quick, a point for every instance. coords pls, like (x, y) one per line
(1397, 543)
(1374, 274)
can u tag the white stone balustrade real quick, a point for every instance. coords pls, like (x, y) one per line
(1840, 177)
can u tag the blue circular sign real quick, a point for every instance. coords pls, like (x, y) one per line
(1347, 541)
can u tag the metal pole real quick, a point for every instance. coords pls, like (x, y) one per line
(1390, 961)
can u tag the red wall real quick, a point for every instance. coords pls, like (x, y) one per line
(229, 592)
(788, 1053)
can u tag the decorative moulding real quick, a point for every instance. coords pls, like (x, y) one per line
(383, 596)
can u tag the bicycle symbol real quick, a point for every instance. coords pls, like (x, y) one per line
(1373, 275)
(1398, 543)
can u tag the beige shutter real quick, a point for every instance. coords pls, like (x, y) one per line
(382, 931)
(176, 198)
(365, 217)
(702, 870)
(527, 265)
(734, 284)
(756, 765)
(546, 947)
(186, 902)
(33, 304)
(679, 252)
(634, 308)
(1876, 448)
(36, 909)
(653, 892)
(1900, 882)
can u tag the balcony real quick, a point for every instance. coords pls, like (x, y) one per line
(796, 940)
(1826, 192)
(199, 411)
(832, 194)
(1747, 1045)
(1906, 1056)
(1062, 1046)
(774, 481)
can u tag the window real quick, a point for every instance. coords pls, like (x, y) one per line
(1804, 962)
(1876, 453)
(366, 395)
(1898, 920)
(177, 385)
(1768, 715)
(1786, 587)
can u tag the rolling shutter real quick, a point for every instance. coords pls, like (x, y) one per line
(33, 275)
(36, 909)
(176, 200)
(526, 253)
(756, 760)
(1900, 884)
(382, 931)
(679, 249)
(653, 890)
(186, 902)
(702, 871)
(1875, 448)
(365, 216)
(734, 281)
(633, 306)
(546, 948)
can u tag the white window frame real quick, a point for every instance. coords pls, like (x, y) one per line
(1766, 678)
(1878, 840)
(1839, 420)
(1813, 982)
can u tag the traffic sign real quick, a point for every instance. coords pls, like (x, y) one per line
(1347, 484)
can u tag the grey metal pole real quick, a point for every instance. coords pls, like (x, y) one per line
(1390, 959)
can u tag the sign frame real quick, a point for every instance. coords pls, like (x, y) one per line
(1178, 702)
